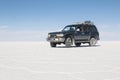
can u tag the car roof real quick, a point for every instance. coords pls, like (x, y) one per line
(80, 25)
(87, 23)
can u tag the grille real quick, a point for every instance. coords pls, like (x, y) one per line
(53, 36)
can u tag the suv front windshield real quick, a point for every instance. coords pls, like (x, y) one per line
(69, 28)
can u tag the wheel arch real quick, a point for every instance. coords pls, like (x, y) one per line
(92, 37)
(71, 36)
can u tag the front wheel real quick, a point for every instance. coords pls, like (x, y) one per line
(53, 44)
(92, 42)
(68, 42)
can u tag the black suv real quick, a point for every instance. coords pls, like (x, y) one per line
(85, 32)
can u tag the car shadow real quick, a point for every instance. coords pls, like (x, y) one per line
(82, 46)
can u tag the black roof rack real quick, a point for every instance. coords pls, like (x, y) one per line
(85, 22)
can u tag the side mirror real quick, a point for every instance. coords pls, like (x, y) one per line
(77, 30)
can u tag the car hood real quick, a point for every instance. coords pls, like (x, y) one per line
(56, 33)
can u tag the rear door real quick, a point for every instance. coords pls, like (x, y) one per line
(86, 32)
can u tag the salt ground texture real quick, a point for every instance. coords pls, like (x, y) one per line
(38, 61)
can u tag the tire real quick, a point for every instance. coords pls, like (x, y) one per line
(93, 42)
(53, 44)
(77, 44)
(68, 42)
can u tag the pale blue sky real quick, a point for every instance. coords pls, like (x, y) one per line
(32, 19)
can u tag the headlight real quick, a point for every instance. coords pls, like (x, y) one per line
(49, 35)
(60, 35)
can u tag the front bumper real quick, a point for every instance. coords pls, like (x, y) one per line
(56, 39)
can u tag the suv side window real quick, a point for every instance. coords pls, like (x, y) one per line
(79, 29)
(93, 29)
(72, 28)
(86, 28)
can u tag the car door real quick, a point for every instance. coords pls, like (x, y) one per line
(86, 32)
(81, 33)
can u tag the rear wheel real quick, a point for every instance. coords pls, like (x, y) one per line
(92, 42)
(53, 44)
(68, 42)
(77, 44)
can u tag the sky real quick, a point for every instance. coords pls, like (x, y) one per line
(31, 20)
